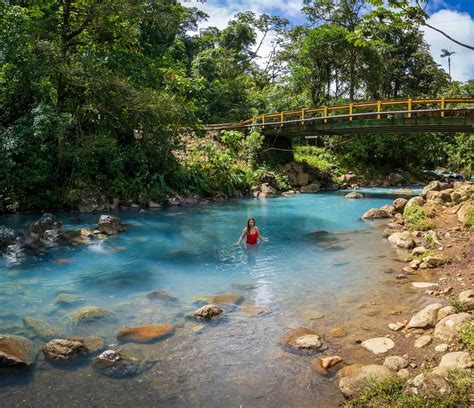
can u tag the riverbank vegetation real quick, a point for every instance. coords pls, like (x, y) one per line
(106, 98)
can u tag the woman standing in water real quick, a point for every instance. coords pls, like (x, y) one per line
(251, 232)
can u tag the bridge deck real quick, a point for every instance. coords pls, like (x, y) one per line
(327, 121)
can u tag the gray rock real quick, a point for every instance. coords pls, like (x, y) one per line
(423, 341)
(389, 209)
(433, 261)
(441, 348)
(16, 351)
(378, 345)
(446, 311)
(402, 240)
(467, 299)
(7, 236)
(433, 186)
(395, 363)
(47, 221)
(40, 328)
(415, 201)
(110, 224)
(354, 195)
(314, 187)
(54, 238)
(89, 315)
(64, 349)
(426, 317)
(400, 204)
(352, 385)
(117, 364)
(458, 360)
(375, 213)
(430, 385)
(447, 328)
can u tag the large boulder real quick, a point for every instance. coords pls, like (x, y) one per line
(46, 222)
(7, 236)
(429, 385)
(433, 186)
(399, 204)
(16, 351)
(269, 178)
(402, 240)
(349, 178)
(464, 211)
(375, 213)
(110, 224)
(53, 238)
(64, 349)
(448, 327)
(416, 201)
(88, 200)
(145, 334)
(352, 385)
(457, 360)
(426, 317)
(266, 190)
(466, 298)
(302, 179)
(314, 187)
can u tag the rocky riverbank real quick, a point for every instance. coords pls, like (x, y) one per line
(425, 357)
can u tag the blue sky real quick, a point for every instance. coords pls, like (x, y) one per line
(455, 17)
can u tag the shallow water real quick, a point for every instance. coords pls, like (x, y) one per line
(319, 268)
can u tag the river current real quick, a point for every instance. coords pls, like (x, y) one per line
(320, 268)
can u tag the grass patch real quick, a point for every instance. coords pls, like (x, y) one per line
(422, 255)
(470, 219)
(389, 394)
(466, 336)
(318, 157)
(456, 304)
(416, 220)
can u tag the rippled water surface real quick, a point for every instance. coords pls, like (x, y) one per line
(320, 261)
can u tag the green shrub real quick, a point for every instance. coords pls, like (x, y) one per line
(389, 394)
(456, 304)
(470, 219)
(415, 219)
(466, 336)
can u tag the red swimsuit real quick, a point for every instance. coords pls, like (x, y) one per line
(252, 238)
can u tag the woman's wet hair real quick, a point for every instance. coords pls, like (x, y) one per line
(248, 223)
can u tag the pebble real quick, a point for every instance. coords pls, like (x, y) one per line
(423, 285)
(441, 348)
(396, 326)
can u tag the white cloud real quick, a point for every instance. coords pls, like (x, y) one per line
(221, 11)
(459, 26)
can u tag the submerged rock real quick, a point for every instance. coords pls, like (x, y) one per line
(244, 286)
(322, 364)
(40, 328)
(93, 344)
(16, 351)
(207, 312)
(161, 294)
(63, 349)
(302, 339)
(145, 334)
(117, 364)
(89, 314)
(223, 299)
(378, 345)
(110, 224)
(67, 299)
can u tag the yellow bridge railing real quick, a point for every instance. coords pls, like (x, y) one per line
(373, 110)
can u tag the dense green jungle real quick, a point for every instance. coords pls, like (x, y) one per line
(109, 98)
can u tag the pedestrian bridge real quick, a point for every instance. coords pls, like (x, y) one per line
(387, 116)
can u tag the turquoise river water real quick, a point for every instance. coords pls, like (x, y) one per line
(319, 268)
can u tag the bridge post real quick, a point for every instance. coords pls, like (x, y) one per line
(302, 116)
(281, 118)
(442, 106)
(325, 114)
(409, 107)
(351, 106)
(379, 109)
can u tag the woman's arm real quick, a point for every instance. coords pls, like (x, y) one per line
(244, 233)
(259, 237)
